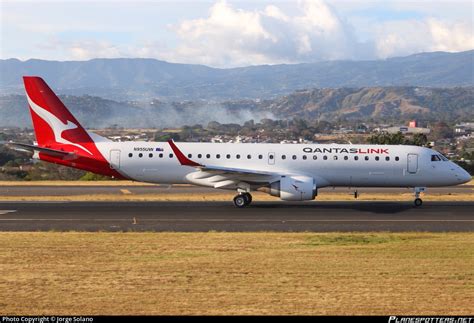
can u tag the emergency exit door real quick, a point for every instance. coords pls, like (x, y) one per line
(412, 161)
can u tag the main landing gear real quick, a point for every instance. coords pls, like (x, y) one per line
(418, 201)
(242, 200)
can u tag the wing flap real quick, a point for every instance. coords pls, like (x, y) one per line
(236, 171)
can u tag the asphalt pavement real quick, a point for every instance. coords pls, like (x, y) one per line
(314, 216)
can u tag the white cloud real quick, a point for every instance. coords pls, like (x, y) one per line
(235, 37)
(413, 36)
(228, 36)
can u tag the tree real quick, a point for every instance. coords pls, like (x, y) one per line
(167, 136)
(441, 130)
(398, 138)
(419, 139)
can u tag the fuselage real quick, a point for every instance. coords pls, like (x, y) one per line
(292, 172)
(329, 165)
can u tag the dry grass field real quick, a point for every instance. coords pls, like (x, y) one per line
(236, 273)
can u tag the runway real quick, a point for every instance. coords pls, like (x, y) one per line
(57, 190)
(312, 216)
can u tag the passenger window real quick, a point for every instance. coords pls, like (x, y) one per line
(315, 157)
(190, 156)
(249, 156)
(130, 155)
(237, 156)
(305, 157)
(218, 156)
(271, 156)
(387, 158)
(140, 155)
(283, 157)
(377, 158)
(325, 157)
(171, 155)
(199, 155)
(366, 158)
(335, 157)
(346, 157)
(160, 155)
(227, 156)
(150, 155)
(260, 156)
(294, 157)
(208, 156)
(356, 157)
(397, 158)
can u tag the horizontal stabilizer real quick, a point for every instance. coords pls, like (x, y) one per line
(34, 148)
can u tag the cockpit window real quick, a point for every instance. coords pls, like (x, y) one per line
(443, 158)
(435, 158)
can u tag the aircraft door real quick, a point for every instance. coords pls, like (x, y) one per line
(271, 158)
(412, 161)
(115, 159)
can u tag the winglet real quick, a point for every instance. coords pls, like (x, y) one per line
(185, 161)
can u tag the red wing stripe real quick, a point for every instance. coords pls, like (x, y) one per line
(185, 161)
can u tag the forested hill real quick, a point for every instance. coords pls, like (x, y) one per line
(378, 103)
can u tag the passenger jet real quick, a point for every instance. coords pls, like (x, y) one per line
(292, 172)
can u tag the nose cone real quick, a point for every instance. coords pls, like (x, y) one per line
(464, 176)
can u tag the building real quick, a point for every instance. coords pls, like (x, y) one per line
(464, 128)
(407, 130)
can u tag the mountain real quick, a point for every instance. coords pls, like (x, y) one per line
(382, 103)
(96, 112)
(378, 103)
(142, 79)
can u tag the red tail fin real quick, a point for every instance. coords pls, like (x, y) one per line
(57, 129)
(54, 125)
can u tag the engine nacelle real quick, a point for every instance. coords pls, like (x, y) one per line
(294, 188)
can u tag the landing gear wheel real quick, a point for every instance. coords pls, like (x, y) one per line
(248, 198)
(240, 201)
(418, 202)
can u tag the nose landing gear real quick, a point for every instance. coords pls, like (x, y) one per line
(418, 201)
(242, 200)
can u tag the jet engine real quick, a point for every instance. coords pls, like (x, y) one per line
(293, 188)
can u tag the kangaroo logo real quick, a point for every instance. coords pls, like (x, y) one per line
(56, 124)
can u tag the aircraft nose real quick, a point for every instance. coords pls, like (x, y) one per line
(464, 176)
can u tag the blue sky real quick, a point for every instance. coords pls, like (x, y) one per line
(233, 33)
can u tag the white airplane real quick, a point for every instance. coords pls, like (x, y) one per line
(292, 172)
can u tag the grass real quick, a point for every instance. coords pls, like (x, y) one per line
(236, 273)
